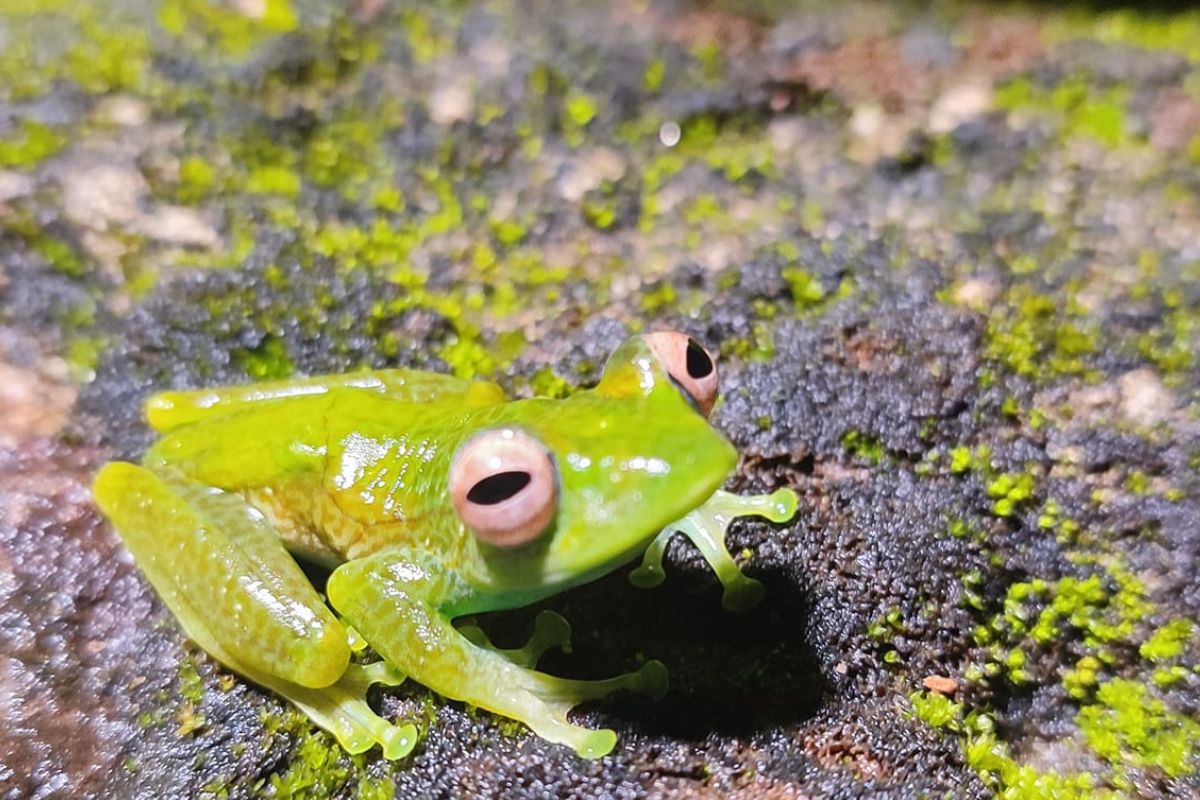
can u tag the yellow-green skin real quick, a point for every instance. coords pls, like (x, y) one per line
(353, 471)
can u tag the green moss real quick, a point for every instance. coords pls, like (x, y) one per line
(1098, 115)
(32, 144)
(600, 211)
(191, 685)
(188, 719)
(216, 788)
(1177, 32)
(991, 759)
(108, 59)
(508, 233)
(1010, 491)
(812, 216)
(203, 23)
(1014, 781)
(1080, 108)
(1168, 641)
(964, 458)
(864, 446)
(375, 789)
(318, 768)
(95, 47)
(467, 357)
(1053, 518)
(548, 383)
(705, 208)
(196, 178)
(1170, 346)
(1080, 680)
(268, 361)
(579, 110)
(275, 180)
(1137, 482)
(935, 710)
(1033, 335)
(806, 291)
(887, 626)
(426, 40)
(344, 152)
(1103, 612)
(655, 72)
(60, 255)
(711, 61)
(83, 354)
(658, 298)
(1128, 726)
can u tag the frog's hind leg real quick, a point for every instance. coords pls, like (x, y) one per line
(223, 572)
(393, 598)
(342, 709)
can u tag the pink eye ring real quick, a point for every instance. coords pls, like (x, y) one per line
(690, 366)
(503, 487)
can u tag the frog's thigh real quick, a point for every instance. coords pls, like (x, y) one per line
(221, 569)
(391, 599)
(223, 572)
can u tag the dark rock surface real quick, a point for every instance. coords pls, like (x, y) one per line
(950, 262)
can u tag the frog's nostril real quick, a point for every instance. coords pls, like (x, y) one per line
(502, 485)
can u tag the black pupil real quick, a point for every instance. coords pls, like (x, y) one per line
(699, 365)
(499, 487)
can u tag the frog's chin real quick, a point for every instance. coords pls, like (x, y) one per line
(569, 580)
(547, 584)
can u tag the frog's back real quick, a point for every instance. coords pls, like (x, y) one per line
(383, 479)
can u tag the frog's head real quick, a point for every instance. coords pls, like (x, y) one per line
(560, 491)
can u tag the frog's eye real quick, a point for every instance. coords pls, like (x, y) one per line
(503, 487)
(690, 366)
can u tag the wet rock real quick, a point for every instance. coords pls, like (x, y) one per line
(178, 225)
(947, 265)
(34, 405)
(14, 185)
(102, 195)
(959, 105)
(450, 103)
(1144, 399)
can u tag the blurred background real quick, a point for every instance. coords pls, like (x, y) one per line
(948, 254)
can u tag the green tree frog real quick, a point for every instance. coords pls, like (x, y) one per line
(430, 497)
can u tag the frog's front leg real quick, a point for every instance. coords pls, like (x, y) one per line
(223, 572)
(706, 527)
(394, 599)
(549, 630)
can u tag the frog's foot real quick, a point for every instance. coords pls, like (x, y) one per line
(706, 527)
(543, 702)
(549, 630)
(342, 709)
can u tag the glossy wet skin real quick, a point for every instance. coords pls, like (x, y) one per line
(436, 498)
